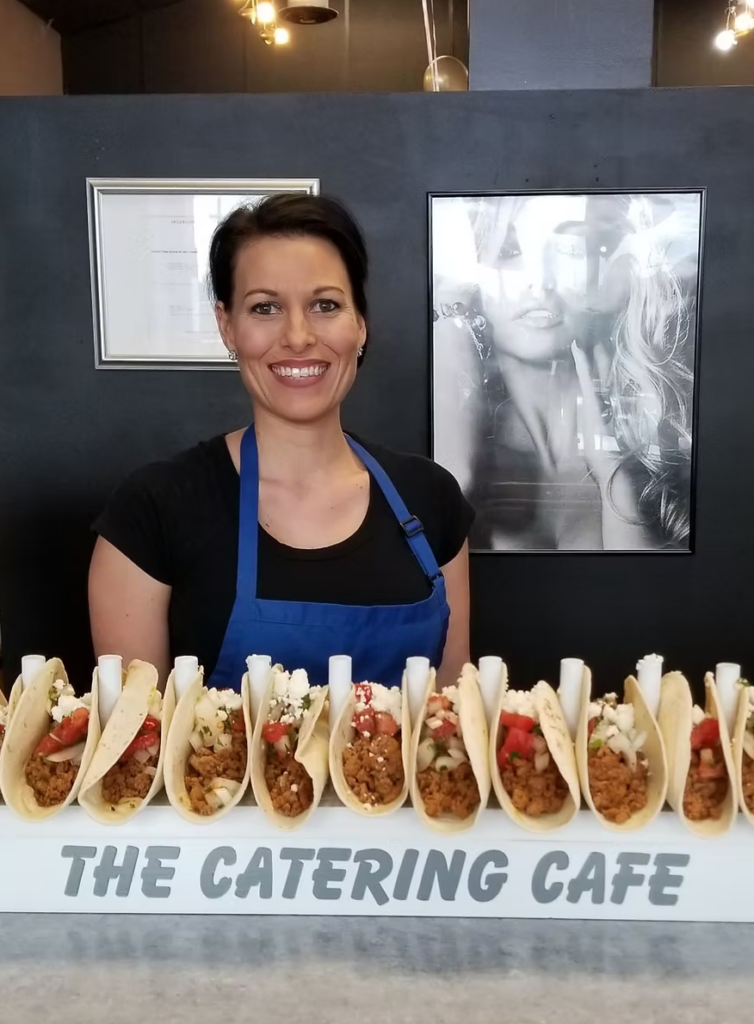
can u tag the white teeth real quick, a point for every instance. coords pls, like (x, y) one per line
(300, 371)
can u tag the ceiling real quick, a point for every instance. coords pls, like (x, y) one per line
(69, 16)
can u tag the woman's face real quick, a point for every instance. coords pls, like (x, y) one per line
(294, 326)
(535, 276)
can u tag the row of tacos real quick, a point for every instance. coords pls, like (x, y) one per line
(56, 747)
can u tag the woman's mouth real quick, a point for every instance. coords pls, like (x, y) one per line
(542, 319)
(297, 374)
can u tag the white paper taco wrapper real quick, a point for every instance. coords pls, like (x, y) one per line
(128, 715)
(654, 749)
(676, 724)
(557, 736)
(742, 716)
(343, 733)
(179, 750)
(311, 751)
(476, 738)
(29, 724)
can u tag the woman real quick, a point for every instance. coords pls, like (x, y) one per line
(583, 378)
(289, 537)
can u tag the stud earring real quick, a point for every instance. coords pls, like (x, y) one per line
(233, 355)
(360, 351)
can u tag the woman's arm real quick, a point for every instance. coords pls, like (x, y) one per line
(128, 610)
(456, 652)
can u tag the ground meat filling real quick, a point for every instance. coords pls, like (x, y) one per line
(618, 791)
(206, 765)
(534, 793)
(747, 781)
(128, 780)
(290, 787)
(453, 792)
(703, 799)
(51, 781)
(373, 768)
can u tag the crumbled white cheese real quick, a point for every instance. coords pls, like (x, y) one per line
(697, 715)
(67, 704)
(385, 699)
(451, 692)
(212, 709)
(290, 689)
(294, 788)
(616, 727)
(520, 702)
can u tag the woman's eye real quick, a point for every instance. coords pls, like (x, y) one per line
(326, 305)
(510, 248)
(263, 308)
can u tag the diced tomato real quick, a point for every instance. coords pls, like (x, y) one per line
(143, 741)
(710, 771)
(445, 729)
(513, 721)
(236, 722)
(2, 729)
(438, 702)
(364, 722)
(274, 731)
(592, 726)
(385, 723)
(67, 733)
(706, 734)
(150, 724)
(516, 742)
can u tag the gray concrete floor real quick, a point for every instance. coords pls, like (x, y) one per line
(181, 970)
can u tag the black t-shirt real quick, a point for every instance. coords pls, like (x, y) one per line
(178, 521)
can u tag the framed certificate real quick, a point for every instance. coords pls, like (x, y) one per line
(149, 245)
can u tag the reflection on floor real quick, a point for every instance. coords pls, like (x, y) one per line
(181, 970)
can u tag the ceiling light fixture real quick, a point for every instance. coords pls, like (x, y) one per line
(307, 12)
(739, 22)
(263, 15)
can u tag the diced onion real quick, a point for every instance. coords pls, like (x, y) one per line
(230, 784)
(457, 755)
(67, 754)
(223, 741)
(196, 741)
(151, 771)
(214, 800)
(454, 743)
(541, 761)
(539, 744)
(707, 756)
(445, 764)
(425, 755)
(142, 756)
(434, 723)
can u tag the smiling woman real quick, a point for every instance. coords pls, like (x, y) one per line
(289, 537)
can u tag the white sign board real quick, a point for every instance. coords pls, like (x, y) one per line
(342, 864)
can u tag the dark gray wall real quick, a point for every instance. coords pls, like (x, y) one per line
(560, 44)
(69, 433)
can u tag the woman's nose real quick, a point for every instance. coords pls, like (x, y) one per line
(299, 334)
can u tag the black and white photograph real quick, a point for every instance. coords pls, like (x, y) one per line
(563, 365)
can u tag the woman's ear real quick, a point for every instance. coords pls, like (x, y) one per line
(223, 325)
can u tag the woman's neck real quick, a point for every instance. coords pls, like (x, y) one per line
(301, 453)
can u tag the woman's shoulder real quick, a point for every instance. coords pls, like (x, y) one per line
(185, 470)
(416, 472)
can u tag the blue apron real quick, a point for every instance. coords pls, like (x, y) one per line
(298, 634)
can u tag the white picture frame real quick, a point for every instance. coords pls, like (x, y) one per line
(149, 244)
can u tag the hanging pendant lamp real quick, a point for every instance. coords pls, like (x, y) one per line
(307, 12)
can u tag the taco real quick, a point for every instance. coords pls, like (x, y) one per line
(449, 772)
(289, 748)
(127, 768)
(207, 751)
(369, 749)
(701, 776)
(533, 762)
(621, 757)
(743, 749)
(48, 744)
(7, 707)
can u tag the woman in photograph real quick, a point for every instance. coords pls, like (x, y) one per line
(578, 368)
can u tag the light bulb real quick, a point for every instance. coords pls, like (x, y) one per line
(282, 36)
(265, 12)
(725, 40)
(744, 21)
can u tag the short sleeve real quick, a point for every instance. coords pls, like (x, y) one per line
(454, 519)
(133, 521)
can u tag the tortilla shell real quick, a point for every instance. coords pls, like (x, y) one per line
(127, 718)
(179, 749)
(676, 724)
(742, 715)
(15, 696)
(475, 734)
(343, 733)
(560, 746)
(654, 749)
(29, 724)
(311, 751)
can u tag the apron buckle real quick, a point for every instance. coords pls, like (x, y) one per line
(412, 526)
